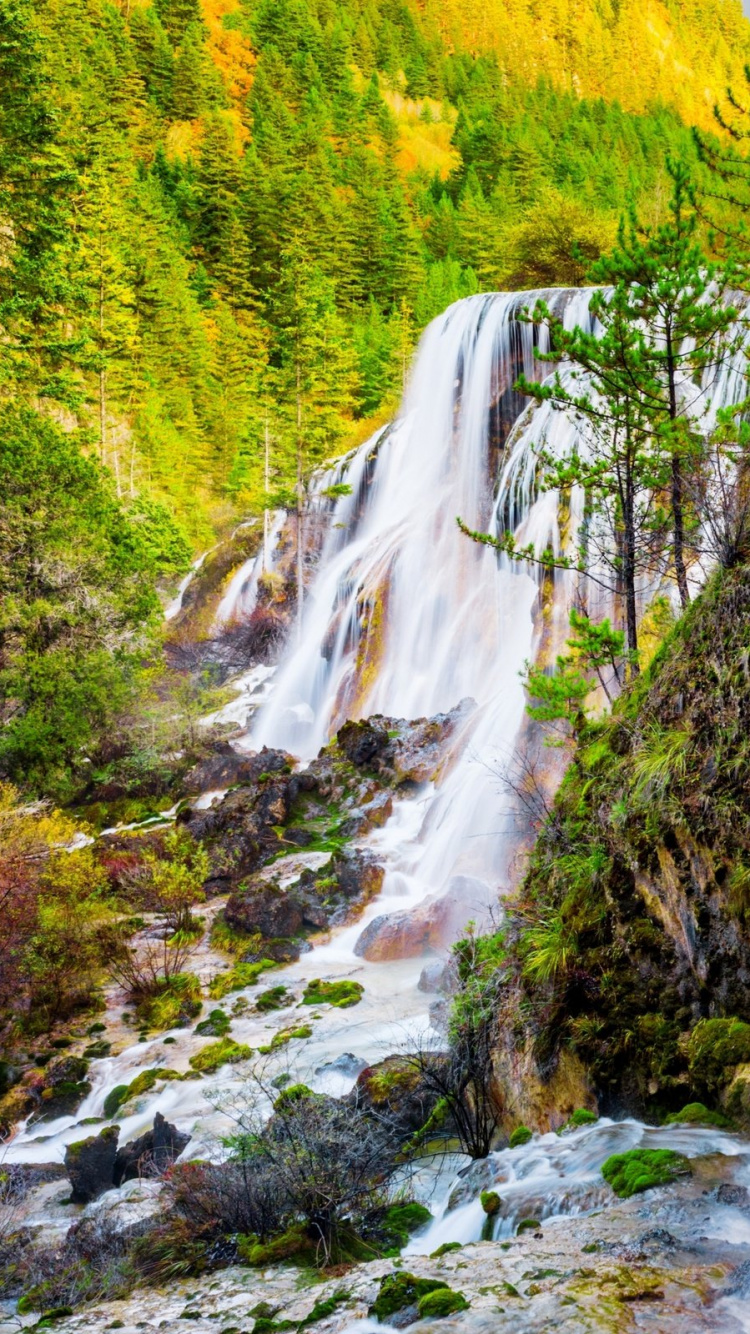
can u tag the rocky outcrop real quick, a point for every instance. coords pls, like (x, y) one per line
(431, 926)
(90, 1164)
(317, 900)
(151, 1154)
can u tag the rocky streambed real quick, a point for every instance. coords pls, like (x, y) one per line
(676, 1260)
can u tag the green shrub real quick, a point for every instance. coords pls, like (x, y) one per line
(641, 1169)
(521, 1135)
(341, 994)
(696, 1114)
(490, 1202)
(178, 1003)
(224, 1052)
(442, 1302)
(716, 1046)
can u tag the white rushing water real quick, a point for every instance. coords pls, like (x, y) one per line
(407, 617)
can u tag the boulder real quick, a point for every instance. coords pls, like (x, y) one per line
(226, 767)
(433, 924)
(265, 909)
(438, 976)
(152, 1153)
(90, 1164)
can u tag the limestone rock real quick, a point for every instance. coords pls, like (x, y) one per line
(432, 925)
(90, 1164)
(151, 1153)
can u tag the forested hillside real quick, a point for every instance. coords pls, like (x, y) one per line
(228, 220)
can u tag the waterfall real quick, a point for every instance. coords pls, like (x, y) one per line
(407, 617)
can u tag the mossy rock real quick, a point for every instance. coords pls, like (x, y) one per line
(224, 1052)
(490, 1202)
(580, 1117)
(341, 994)
(216, 1025)
(447, 1248)
(637, 1170)
(528, 1225)
(695, 1114)
(275, 998)
(716, 1047)
(521, 1135)
(286, 1035)
(442, 1302)
(397, 1291)
(96, 1050)
(114, 1100)
(400, 1221)
(291, 1095)
(237, 978)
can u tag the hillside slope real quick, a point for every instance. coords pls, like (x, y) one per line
(632, 927)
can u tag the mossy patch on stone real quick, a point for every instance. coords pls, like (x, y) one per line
(490, 1202)
(275, 998)
(521, 1135)
(442, 1302)
(224, 1052)
(397, 1291)
(528, 1225)
(695, 1114)
(637, 1170)
(217, 1025)
(341, 994)
(580, 1117)
(715, 1048)
(236, 978)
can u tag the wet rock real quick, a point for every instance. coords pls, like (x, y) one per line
(398, 1086)
(264, 909)
(364, 741)
(346, 1064)
(737, 1196)
(151, 1153)
(90, 1164)
(359, 878)
(225, 767)
(280, 951)
(439, 976)
(373, 815)
(432, 925)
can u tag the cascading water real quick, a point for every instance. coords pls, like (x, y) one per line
(407, 617)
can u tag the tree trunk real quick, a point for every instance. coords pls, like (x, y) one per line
(678, 508)
(300, 504)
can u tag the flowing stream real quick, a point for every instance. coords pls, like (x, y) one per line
(406, 617)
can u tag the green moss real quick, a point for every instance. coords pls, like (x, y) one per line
(273, 999)
(217, 1025)
(224, 1052)
(401, 1220)
(322, 1309)
(521, 1135)
(490, 1202)
(114, 1100)
(341, 994)
(400, 1290)
(446, 1249)
(442, 1302)
(294, 1244)
(286, 1035)
(580, 1117)
(294, 1093)
(232, 941)
(696, 1114)
(96, 1050)
(528, 1225)
(641, 1169)
(236, 978)
(716, 1046)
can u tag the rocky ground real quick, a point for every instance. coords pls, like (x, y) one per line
(676, 1260)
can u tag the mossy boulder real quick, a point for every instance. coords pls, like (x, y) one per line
(490, 1202)
(224, 1052)
(341, 994)
(275, 998)
(399, 1222)
(580, 1117)
(143, 1083)
(441, 1302)
(695, 1114)
(237, 978)
(637, 1170)
(401, 1290)
(216, 1025)
(521, 1135)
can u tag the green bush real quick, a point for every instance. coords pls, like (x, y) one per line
(442, 1302)
(641, 1169)
(224, 1052)
(177, 1003)
(341, 994)
(716, 1046)
(521, 1135)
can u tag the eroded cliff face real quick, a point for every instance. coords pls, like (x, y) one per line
(633, 923)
